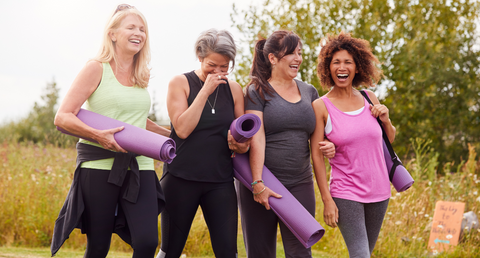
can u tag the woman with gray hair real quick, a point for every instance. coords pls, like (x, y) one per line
(202, 104)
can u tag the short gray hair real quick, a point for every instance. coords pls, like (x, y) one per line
(214, 41)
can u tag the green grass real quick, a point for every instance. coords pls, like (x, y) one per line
(34, 181)
(23, 252)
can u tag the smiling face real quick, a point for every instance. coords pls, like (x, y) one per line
(214, 63)
(289, 64)
(130, 36)
(343, 68)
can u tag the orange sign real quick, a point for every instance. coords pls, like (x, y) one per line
(446, 225)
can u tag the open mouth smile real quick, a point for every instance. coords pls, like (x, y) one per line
(342, 76)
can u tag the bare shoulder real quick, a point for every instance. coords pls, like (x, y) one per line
(179, 79)
(372, 96)
(234, 84)
(93, 67)
(82, 87)
(235, 87)
(321, 111)
(318, 102)
(178, 82)
(319, 105)
(89, 77)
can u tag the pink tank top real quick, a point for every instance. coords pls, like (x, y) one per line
(359, 172)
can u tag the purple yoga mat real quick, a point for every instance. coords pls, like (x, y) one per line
(402, 180)
(302, 224)
(245, 127)
(131, 138)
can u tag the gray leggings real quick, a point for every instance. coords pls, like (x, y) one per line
(360, 225)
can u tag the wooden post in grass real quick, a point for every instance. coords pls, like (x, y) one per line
(446, 226)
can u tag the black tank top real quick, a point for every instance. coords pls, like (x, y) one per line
(204, 155)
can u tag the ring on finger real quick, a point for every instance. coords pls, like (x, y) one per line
(219, 77)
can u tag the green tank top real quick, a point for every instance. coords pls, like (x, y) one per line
(127, 104)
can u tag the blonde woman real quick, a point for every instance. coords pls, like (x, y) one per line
(100, 200)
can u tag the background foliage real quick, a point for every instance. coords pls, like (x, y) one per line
(38, 126)
(429, 52)
(35, 179)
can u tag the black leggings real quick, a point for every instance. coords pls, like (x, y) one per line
(101, 199)
(219, 205)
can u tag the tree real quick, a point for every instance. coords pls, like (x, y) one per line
(428, 49)
(38, 126)
(42, 116)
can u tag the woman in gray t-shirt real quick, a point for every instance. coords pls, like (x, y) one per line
(284, 105)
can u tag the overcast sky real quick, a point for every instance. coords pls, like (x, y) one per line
(45, 40)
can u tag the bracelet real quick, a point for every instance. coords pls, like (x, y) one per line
(233, 153)
(260, 191)
(256, 182)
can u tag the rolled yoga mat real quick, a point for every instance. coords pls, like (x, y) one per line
(245, 127)
(131, 138)
(402, 180)
(300, 222)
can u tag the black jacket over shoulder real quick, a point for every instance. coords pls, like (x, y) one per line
(70, 216)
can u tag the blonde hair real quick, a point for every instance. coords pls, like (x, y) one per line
(141, 70)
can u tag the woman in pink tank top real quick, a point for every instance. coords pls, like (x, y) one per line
(357, 197)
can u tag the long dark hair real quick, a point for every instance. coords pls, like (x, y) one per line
(280, 44)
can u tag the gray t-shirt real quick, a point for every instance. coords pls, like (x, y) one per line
(288, 127)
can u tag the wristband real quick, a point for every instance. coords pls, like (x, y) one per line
(256, 182)
(260, 191)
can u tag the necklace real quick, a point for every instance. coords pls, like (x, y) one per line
(216, 95)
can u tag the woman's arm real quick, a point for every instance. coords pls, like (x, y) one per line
(153, 127)
(82, 87)
(381, 111)
(327, 147)
(183, 117)
(330, 211)
(257, 159)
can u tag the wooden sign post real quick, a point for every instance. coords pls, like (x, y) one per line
(446, 225)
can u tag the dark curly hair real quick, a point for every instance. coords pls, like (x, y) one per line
(365, 61)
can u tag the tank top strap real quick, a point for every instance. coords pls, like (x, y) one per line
(330, 107)
(194, 84)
